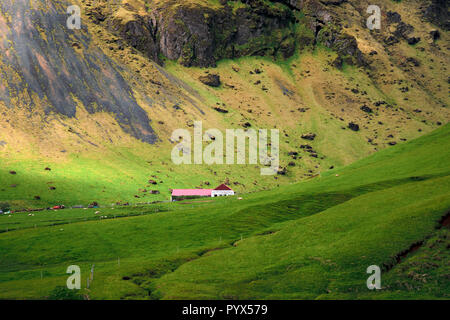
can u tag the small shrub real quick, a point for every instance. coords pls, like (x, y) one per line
(5, 206)
(63, 293)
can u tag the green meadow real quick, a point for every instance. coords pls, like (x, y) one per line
(309, 240)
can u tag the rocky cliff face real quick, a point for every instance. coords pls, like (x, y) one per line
(436, 11)
(200, 34)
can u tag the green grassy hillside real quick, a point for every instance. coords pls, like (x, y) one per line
(50, 121)
(309, 240)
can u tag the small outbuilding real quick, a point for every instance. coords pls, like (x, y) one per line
(222, 190)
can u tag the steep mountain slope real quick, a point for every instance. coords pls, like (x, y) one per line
(49, 68)
(98, 105)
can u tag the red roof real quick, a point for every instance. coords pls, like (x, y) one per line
(223, 187)
(191, 192)
(197, 192)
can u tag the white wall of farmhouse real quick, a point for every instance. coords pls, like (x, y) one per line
(221, 193)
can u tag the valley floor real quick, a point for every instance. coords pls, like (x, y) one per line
(310, 240)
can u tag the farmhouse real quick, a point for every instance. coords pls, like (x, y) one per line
(220, 191)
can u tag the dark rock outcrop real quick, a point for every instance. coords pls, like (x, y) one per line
(413, 40)
(353, 126)
(212, 80)
(142, 35)
(309, 136)
(435, 34)
(403, 30)
(344, 44)
(437, 13)
(393, 17)
(366, 109)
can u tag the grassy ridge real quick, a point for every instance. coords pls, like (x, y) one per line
(327, 253)
(308, 240)
(323, 254)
